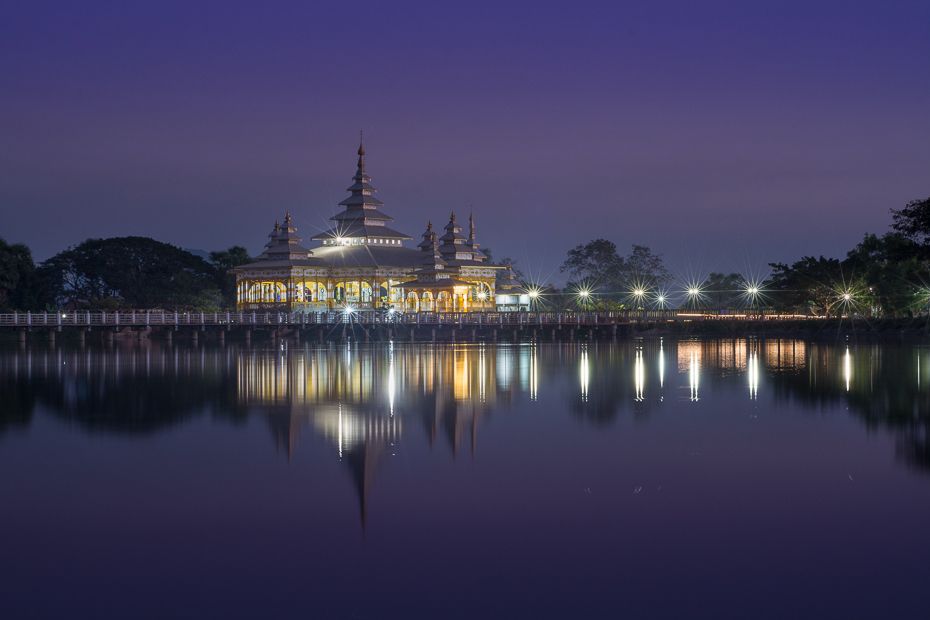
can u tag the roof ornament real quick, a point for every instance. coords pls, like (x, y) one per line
(276, 225)
(361, 152)
(452, 219)
(287, 218)
(471, 226)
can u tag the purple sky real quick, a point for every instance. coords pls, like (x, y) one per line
(724, 135)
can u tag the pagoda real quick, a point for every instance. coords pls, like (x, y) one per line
(362, 263)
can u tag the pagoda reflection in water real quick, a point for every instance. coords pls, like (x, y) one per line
(364, 400)
(360, 399)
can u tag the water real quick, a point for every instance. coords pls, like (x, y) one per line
(714, 478)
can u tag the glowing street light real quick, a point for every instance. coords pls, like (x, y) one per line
(349, 310)
(583, 293)
(534, 293)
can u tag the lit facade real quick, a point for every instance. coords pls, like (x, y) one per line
(362, 263)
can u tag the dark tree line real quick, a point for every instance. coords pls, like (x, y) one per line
(118, 273)
(881, 276)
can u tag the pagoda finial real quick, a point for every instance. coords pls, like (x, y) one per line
(276, 225)
(287, 218)
(361, 153)
(429, 225)
(453, 217)
(471, 226)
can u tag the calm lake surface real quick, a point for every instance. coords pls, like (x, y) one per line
(660, 478)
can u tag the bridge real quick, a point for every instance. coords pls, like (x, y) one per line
(363, 324)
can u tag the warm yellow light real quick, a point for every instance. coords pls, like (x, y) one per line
(693, 291)
(583, 293)
(847, 296)
(753, 291)
(482, 295)
(349, 310)
(638, 292)
(533, 293)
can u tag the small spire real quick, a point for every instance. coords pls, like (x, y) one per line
(453, 217)
(429, 225)
(287, 218)
(276, 225)
(361, 153)
(471, 226)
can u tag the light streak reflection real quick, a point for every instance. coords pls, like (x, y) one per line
(584, 375)
(694, 376)
(847, 368)
(754, 375)
(639, 373)
(661, 365)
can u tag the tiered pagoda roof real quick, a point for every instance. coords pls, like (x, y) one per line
(284, 249)
(458, 249)
(361, 223)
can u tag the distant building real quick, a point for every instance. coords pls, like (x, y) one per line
(362, 263)
(511, 295)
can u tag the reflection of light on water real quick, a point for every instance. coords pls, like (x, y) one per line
(391, 378)
(661, 365)
(340, 430)
(693, 374)
(482, 382)
(753, 375)
(639, 372)
(689, 351)
(533, 374)
(584, 375)
(504, 368)
(847, 368)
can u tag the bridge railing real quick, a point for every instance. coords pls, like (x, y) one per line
(373, 317)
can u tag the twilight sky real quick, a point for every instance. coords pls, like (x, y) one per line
(724, 135)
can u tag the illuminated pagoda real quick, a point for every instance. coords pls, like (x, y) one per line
(361, 262)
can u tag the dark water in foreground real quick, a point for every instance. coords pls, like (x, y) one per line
(723, 478)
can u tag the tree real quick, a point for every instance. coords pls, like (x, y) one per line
(598, 267)
(595, 263)
(913, 221)
(722, 291)
(224, 260)
(810, 282)
(644, 269)
(16, 274)
(890, 270)
(134, 272)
